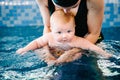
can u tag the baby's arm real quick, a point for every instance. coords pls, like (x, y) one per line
(85, 44)
(37, 43)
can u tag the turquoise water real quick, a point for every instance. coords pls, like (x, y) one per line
(30, 67)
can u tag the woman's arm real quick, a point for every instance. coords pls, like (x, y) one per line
(94, 19)
(43, 6)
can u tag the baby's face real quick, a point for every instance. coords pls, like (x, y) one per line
(63, 32)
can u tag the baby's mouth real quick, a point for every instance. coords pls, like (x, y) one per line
(64, 40)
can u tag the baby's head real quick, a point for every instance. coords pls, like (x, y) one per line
(60, 19)
(62, 25)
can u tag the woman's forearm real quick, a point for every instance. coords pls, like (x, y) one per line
(92, 37)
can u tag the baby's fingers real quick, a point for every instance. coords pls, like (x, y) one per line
(20, 51)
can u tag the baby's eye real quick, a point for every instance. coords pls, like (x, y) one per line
(59, 32)
(69, 31)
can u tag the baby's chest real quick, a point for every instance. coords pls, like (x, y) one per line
(60, 46)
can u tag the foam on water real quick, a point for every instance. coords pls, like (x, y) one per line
(44, 73)
(110, 68)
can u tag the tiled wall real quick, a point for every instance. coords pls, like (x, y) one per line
(14, 13)
(112, 13)
(19, 13)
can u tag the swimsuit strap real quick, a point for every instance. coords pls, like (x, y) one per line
(51, 7)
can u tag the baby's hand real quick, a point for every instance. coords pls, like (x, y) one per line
(21, 51)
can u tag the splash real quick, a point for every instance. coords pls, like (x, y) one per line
(44, 73)
(110, 68)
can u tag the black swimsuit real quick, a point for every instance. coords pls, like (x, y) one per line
(81, 28)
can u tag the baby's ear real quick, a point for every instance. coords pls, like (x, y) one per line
(51, 28)
(74, 25)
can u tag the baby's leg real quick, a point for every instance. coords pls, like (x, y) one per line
(69, 56)
(44, 54)
(74, 57)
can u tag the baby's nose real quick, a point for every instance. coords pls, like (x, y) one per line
(64, 36)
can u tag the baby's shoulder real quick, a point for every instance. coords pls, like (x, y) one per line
(46, 36)
(75, 38)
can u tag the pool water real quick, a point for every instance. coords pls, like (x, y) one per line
(30, 67)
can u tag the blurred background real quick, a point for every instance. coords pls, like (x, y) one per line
(14, 13)
(20, 13)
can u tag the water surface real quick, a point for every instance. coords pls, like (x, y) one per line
(30, 67)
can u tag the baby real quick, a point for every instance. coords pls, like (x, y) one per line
(62, 38)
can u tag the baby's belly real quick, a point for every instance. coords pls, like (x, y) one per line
(58, 50)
